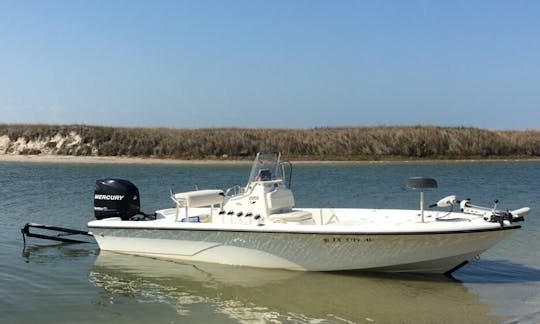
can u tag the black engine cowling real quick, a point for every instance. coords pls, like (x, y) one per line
(116, 198)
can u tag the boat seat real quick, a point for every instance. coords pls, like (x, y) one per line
(199, 198)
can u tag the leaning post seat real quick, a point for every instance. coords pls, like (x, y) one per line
(198, 198)
(422, 183)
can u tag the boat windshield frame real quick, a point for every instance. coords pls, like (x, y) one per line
(266, 167)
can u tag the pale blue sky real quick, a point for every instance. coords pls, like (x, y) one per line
(252, 63)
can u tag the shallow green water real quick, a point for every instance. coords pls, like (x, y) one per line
(76, 283)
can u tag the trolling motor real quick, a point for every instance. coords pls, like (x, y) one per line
(489, 214)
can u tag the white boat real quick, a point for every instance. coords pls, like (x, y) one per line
(258, 226)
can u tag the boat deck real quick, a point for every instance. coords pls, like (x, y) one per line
(339, 220)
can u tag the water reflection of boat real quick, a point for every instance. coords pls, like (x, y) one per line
(244, 294)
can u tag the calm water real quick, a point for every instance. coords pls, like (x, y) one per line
(50, 283)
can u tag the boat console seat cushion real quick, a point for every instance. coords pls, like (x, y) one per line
(280, 200)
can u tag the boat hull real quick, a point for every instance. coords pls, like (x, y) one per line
(395, 252)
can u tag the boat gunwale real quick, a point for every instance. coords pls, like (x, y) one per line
(288, 231)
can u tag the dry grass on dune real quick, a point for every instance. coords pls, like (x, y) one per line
(347, 143)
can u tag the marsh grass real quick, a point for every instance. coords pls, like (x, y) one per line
(325, 143)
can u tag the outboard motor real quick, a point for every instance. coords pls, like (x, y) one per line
(116, 198)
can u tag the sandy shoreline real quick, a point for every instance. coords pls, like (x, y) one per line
(137, 160)
(105, 160)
